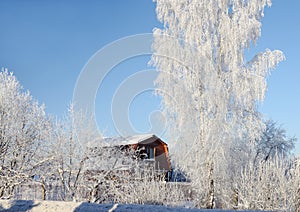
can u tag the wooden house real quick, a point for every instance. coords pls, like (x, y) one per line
(150, 147)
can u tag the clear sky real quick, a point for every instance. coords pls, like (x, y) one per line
(47, 43)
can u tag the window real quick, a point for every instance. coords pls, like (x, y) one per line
(150, 152)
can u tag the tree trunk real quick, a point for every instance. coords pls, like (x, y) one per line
(211, 193)
(43, 190)
(297, 201)
(235, 199)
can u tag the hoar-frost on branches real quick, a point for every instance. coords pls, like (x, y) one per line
(213, 90)
(24, 127)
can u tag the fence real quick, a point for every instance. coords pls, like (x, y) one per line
(34, 191)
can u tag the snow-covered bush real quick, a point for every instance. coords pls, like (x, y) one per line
(269, 185)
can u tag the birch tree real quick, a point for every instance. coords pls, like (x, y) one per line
(210, 91)
(24, 127)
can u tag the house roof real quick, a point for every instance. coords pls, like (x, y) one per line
(129, 140)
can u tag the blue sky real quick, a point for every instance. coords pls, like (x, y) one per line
(47, 43)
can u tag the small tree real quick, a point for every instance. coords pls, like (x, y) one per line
(24, 127)
(274, 141)
(70, 154)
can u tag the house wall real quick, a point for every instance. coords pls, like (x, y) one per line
(162, 161)
(161, 158)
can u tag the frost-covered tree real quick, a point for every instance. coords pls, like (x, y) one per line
(210, 91)
(24, 127)
(68, 148)
(274, 141)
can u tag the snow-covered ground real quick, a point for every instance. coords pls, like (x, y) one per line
(53, 206)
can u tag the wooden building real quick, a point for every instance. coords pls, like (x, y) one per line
(150, 147)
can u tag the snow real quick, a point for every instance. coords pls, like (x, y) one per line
(135, 139)
(53, 206)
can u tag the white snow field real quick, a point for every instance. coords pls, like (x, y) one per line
(53, 206)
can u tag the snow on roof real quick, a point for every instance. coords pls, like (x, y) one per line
(128, 140)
